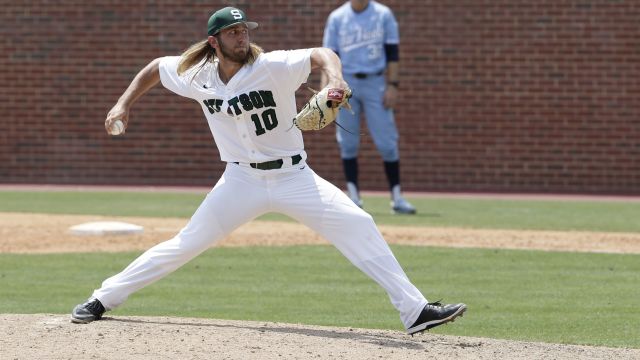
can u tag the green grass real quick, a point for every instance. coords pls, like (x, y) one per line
(148, 204)
(440, 212)
(575, 298)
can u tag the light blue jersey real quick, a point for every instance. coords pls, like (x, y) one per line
(359, 38)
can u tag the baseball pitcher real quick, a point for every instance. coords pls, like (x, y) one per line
(248, 99)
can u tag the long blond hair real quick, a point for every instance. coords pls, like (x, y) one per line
(202, 50)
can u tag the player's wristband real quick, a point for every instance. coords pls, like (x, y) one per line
(395, 84)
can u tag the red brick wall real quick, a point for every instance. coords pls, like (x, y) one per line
(508, 96)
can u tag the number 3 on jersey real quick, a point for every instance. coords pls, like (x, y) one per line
(266, 121)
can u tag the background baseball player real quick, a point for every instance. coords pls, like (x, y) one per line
(365, 36)
(248, 98)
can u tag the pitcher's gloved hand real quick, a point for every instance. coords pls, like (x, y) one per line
(322, 109)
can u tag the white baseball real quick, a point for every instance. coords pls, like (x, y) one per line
(117, 127)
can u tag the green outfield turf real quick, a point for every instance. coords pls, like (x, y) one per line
(525, 295)
(467, 213)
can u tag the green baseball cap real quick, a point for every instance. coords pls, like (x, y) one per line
(227, 17)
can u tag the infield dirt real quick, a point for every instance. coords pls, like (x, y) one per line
(46, 233)
(49, 336)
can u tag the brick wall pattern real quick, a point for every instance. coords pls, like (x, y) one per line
(496, 95)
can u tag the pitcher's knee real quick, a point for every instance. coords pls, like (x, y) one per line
(360, 219)
(188, 245)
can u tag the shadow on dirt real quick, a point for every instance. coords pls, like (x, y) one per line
(415, 343)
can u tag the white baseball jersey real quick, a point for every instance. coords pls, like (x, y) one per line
(251, 116)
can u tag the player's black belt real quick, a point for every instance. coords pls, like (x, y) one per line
(365, 75)
(274, 164)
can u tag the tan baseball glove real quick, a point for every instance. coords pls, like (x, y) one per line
(322, 109)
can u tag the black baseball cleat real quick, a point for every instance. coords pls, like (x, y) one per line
(89, 311)
(435, 314)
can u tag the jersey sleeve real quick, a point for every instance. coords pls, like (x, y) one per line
(391, 33)
(290, 67)
(330, 38)
(170, 78)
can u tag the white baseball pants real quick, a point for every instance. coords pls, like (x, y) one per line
(244, 193)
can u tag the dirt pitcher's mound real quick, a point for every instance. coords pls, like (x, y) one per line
(54, 337)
